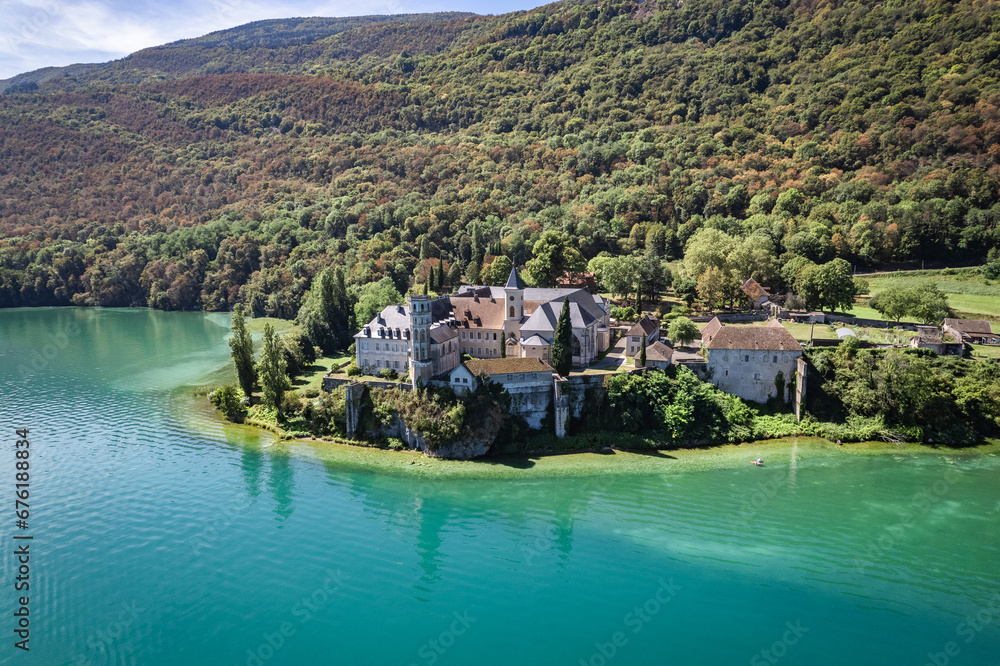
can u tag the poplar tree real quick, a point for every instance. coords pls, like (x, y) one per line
(440, 275)
(271, 368)
(562, 345)
(241, 344)
(642, 353)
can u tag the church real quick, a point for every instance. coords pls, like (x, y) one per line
(429, 335)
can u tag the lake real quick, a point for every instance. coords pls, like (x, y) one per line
(162, 536)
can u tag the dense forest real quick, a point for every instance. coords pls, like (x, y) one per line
(234, 168)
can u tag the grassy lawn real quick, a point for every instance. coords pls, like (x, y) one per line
(313, 377)
(985, 351)
(256, 325)
(965, 288)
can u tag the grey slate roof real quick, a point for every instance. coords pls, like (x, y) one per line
(514, 280)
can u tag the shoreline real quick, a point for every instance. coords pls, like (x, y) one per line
(777, 453)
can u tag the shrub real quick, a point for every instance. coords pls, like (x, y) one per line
(291, 403)
(312, 393)
(353, 370)
(623, 314)
(395, 444)
(229, 400)
(388, 373)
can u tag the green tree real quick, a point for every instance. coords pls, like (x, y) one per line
(654, 277)
(707, 248)
(642, 353)
(562, 345)
(715, 286)
(472, 272)
(271, 369)
(498, 271)
(682, 331)
(440, 275)
(829, 286)
(241, 344)
(552, 256)
(375, 296)
(455, 274)
(326, 314)
(229, 400)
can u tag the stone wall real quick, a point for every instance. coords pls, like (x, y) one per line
(750, 374)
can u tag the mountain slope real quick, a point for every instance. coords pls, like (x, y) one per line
(238, 169)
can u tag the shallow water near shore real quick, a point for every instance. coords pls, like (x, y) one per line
(164, 536)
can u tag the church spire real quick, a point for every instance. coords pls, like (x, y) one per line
(514, 281)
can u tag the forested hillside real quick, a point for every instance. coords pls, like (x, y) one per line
(236, 167)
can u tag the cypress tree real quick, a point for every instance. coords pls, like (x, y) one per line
(642, 353)
(440, 275)
(428, 281)
(274, 382)
(562, 345)
(241, 344)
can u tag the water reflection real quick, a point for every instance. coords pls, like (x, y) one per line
(281, 482)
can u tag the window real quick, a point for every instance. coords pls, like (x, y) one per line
(479, 335)
(457, 380)
(395, 347)
(480, 352)
(378, 363)
(395, 364)
(746, 358)
(376, 346)
(756, 376)
(364, 345)
(775, 358)
(463, 349)
(463, 335)
(512, 309)
(494, 336)
(465, 380)
(512, 300)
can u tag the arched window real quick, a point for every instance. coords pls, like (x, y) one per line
(576, 346)
(512, 312)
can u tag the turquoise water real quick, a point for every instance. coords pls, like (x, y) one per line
(161, 537)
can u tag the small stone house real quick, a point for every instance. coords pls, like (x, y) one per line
(972, 331)
(647, 327)
(746, 361)
(658, 355)
(757, 294)
(929, 337)
(528, 381)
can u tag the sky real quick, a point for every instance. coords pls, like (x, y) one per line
(54, 33)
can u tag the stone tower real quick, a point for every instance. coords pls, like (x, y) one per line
(513, 310)
(420, 326)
